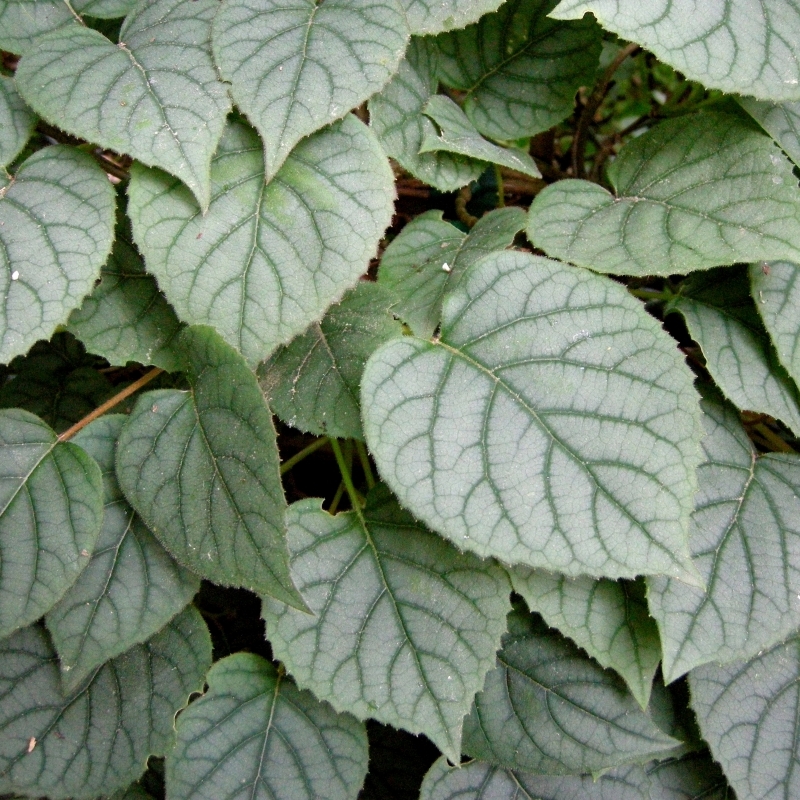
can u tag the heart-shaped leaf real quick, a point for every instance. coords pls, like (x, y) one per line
(553, 424)
(692, 193)
(405, 627)
(155, 95)
(56, 230)
(268, 258)
(780, 120)
(17, 122)
(295, 67)
(51, 510)
(254, 732)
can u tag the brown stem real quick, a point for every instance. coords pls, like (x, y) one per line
(462, 198)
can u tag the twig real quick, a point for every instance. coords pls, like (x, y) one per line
(300, 455)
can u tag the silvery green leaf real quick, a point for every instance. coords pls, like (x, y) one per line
(104, 9)
(17, 121)
(433, 16)
(780, 120)
(23, 21)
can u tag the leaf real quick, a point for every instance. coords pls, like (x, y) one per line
(608, 619)
(201, 468)
(56, 230)
(429, 16)
(405, 627)
(17, 122)
(51, 510)
(255, 733)
(313, 383)
(104, 9)
(296, 67)
(130, 589)
(23, 21)
(520, 69)
(96, 739)
(692, 193)
(429, 257)
(692, 777)
(267, 259)
(780, 120)
(553, 424)
(397, 119)
(547, 708)
(458, 135)
(745, 539)
(729, 46)
(747, 712)
(722, 318)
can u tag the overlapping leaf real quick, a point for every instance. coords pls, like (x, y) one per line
(96, 739)
(520, 69)
(313, 383)
(255, 733)
(51, 510)
(780, 120)
(429, 257)
(427, 16)
(295, 67)
(201, 468)
(692, 193)
(731, 45)
(745, 540)
(553, 424)
(56, 230)
(17, 121)
(131, 587)
(267, 259)
(405, 627)
(104, 9)
(694, 776)
(155, 95)
(23, 21)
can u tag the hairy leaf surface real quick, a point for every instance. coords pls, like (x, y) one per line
(17, 121)
(694, 192)
(780, 120)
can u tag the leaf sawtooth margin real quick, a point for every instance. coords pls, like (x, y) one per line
(553, 424)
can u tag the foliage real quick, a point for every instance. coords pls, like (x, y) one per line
(453, 356)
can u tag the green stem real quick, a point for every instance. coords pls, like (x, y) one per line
(501, 194)
(355, 499)
(336, 498)
(652, 295)
(306, 451)
(365, 465)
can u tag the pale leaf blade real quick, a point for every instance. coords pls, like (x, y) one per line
(17, 121)
(23, 21)
(434, 16)
(104, 9)
(780, 120)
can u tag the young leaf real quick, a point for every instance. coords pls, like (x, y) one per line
(155, 95)
(17, 122)
(747, 712)
(23, 21)
(56, 230)
(554, 424)
(130, 589)
(396, 117)
(51, 510)
(547, 708)
(728, 46)
(780, 120)
(429, 257)
(427, 16)
(405, 628)
(520, 69)
(692, 193)
(201, 468)
(608, 619)
(745, 539)
(97, 738)
(722, 318)
(296, 67)
(313, 383)
(255, 733)
(267, 259)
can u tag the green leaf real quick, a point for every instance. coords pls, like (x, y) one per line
(608, 619)
(780, 120)
(155, 95)
(255, 734)
(397, 119)
(23, 21)
(296, 67)
(745, 539)
(458, 135)
(17, 122)
(722, 318)
(51, 510)
(727, 44)
(776, 290)
(520, 69)
(547, 708)
(313, 383)
(692, 193)
(747, 712)
(405, 627)
(267, 259)
(56, 230)
(97, 738)
(553, 424)
(130, 589)
(104, 9)
(201, 468)
(692, 777)
(429, 257)
(434, 16)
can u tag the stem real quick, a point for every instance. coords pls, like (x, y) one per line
(462, 198)
(501, 195)
(365, 465)
(775, 441)
(336, 498)
(347, 478)
(109, 404)
(306, 451)
(651, 295)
